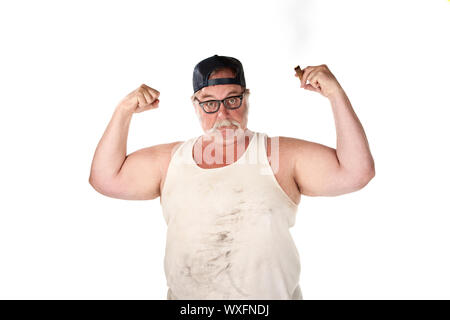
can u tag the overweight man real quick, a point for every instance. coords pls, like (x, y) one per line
(230, 195)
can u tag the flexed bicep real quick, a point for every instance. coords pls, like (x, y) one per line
(317, 171)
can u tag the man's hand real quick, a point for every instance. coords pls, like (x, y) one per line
(320, 80)
(142, 99)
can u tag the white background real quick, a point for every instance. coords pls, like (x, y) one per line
(66, 64)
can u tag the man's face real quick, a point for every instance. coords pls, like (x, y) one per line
(224, 121)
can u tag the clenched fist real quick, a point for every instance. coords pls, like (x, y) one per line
(142, 99)
(320, 80)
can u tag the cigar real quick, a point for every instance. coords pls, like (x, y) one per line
(299, 71)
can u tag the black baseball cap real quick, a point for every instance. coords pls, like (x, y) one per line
(204, 68)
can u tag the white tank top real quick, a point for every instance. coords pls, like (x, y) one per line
(228, 229)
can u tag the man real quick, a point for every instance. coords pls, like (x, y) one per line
(230, 196)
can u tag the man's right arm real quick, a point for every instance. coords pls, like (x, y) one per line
(138, 175)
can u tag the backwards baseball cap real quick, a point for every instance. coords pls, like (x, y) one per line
(204, 68)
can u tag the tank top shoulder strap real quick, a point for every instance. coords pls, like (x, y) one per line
(270, 168)
(184, 151)
(262, 154)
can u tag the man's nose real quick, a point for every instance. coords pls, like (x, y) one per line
(223, 111)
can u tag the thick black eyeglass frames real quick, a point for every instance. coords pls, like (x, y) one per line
(212, 106)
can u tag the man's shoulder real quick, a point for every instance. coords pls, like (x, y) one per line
(161, 153)
(295, 150)
(285, 144)
(166, 150)
(288, 149)
(282, 147)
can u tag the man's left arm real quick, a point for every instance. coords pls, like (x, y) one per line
(323, 171)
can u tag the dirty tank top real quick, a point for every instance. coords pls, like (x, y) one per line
(228, 229)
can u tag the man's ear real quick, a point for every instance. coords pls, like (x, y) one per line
(197, 111)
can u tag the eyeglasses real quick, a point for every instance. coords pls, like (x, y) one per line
(212, 106)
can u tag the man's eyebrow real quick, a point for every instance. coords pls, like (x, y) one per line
(210, 96)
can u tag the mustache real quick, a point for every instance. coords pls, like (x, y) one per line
(224, 123)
